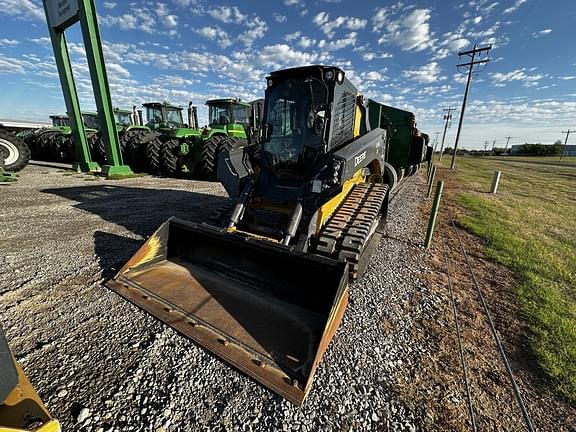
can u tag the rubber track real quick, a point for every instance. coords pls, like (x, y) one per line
(348, 231)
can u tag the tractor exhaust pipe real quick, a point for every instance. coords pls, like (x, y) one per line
(192, 116)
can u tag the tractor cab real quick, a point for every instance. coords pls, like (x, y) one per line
(91, 121)
(230, 117)
(60, 121)
(163, 115)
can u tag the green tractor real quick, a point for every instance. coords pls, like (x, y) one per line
(55, 143)
(170, 141)
(131, 135)
(232, 124)
(185, 148)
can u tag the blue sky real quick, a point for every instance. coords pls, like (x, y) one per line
(400, 53)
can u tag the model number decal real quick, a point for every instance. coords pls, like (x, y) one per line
(359, 158)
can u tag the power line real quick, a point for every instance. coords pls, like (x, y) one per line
(568, 132)
(471, 68)
(448, 118)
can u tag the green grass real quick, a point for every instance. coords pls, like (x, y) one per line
(552, 160)
(530, 227)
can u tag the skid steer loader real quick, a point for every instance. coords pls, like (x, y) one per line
(267, 288)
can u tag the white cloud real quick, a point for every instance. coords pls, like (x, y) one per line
(451, 43)
(139, 19)
(427, 74)
(171, 21)
(255, 26)
(282, 55)
(110, 5)
(7, 66)
(499, 78)
(515, 6)
(23, 9)
(372, 76)
(542, 32)
(410, 32)
(292, 36)
(279, 18)
(349, 40)
(369, 56)
(567, 77)
(216, 33)
(328, 26)
(306, 42)
(292, 2)
(8, 42)
(228, 14)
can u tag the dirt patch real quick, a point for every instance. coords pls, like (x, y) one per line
(441, 375)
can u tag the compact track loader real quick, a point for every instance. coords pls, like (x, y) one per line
(266, 288)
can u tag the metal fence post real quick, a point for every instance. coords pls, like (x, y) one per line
(495, 181)
(433, 214)
(430, 183)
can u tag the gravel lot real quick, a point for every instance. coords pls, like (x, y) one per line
(101, 364)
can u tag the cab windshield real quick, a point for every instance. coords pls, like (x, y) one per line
(91, 121)
(295, 116)
(60, 121)
(220, 114)
(241, 114)
(172, 116)
(123, 118)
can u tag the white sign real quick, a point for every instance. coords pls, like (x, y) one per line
(60, 12)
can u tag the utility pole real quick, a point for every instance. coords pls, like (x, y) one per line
(493, 144)
(471, 68)
(507, 142)
(485, 147)
(448, 118)
(435, 142)
(568, 132)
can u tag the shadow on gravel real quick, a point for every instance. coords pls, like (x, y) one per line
(140, 210)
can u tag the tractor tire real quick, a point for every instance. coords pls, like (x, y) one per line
(14, 153)
(97, 150)
(134, 149)
(153, 156)
(170, 158)
(208, 158)
(211, 149)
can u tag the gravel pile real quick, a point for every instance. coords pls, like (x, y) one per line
(101, 364)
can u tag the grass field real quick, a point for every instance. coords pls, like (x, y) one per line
(530, 227)
(551, 160)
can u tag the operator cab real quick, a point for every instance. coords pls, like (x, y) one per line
(163, 115)
(223, 112)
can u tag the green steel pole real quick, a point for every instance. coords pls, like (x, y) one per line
(430, 183)
(95, 55)
(82, 153)
(434, 214)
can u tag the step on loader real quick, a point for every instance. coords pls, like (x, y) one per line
(267, 287)
(20, 406)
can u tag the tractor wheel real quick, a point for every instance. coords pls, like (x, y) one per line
(134, 148)
(170, 158)
(65, 147)
(153, 156)
(14, 153)
(208, 158)
(97, 150)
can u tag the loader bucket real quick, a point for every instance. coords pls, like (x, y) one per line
(264, 309)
